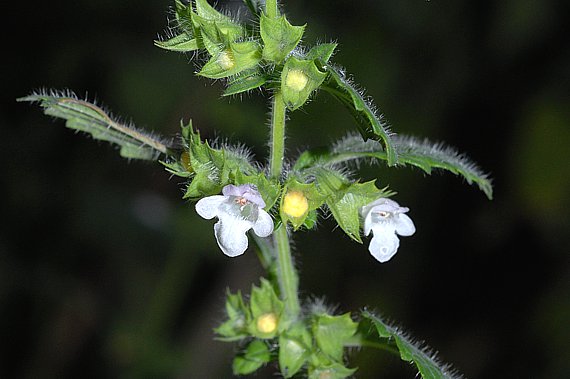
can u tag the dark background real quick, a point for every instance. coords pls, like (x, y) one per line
(106, 272)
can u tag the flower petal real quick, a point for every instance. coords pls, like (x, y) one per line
(264, 224)
(367, 220)
(230, 234)
(384, 244)
(231, 190)
(404, 225)
(208, 206)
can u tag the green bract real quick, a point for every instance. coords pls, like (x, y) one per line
(265, 302)
(182, 43)
(237, 57)
(235, 328)
(300, 77)
(298, 201)
(245, 82)
(295, 347)
(332, 332)
(279, 37)
(255, 355)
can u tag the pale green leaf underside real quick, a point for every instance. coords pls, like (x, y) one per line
(410, 151)
(86, 117)
(412, 351)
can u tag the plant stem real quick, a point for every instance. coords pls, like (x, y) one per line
(286, 274)
(277, 151)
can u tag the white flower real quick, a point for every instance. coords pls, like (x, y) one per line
(385, 218)
(238, 210)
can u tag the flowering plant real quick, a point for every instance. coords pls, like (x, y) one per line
(270, 202)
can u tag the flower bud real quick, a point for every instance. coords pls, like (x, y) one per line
(296, 80)
(267, 323)
(295, 204)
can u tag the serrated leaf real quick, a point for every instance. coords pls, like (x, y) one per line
(256, 355)
(279, 37)
(180, 43)
(423, 154)
(411, 351)
(86, 117)
(370, 124)
(332, 332)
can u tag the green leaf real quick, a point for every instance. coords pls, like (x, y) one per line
(235, 327)
(345, 198)
(181, 43)
(322, 52)
(427, 155)
(180, 167)
(216, 34)
(411, 351)
(183, 14)
(256, 355)
(279, 37)
(208, 165)
(244, 83)
(332, 371)
(205, 10)
(265, 306)
(294, 349)
(214, 168)
(370, 124)
(264, 300)
(332, 332)
(86, 117)
(299, 79)
(240, 56)
(423, 154)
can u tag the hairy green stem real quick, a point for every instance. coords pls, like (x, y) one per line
(277, 152)
(286, 274)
